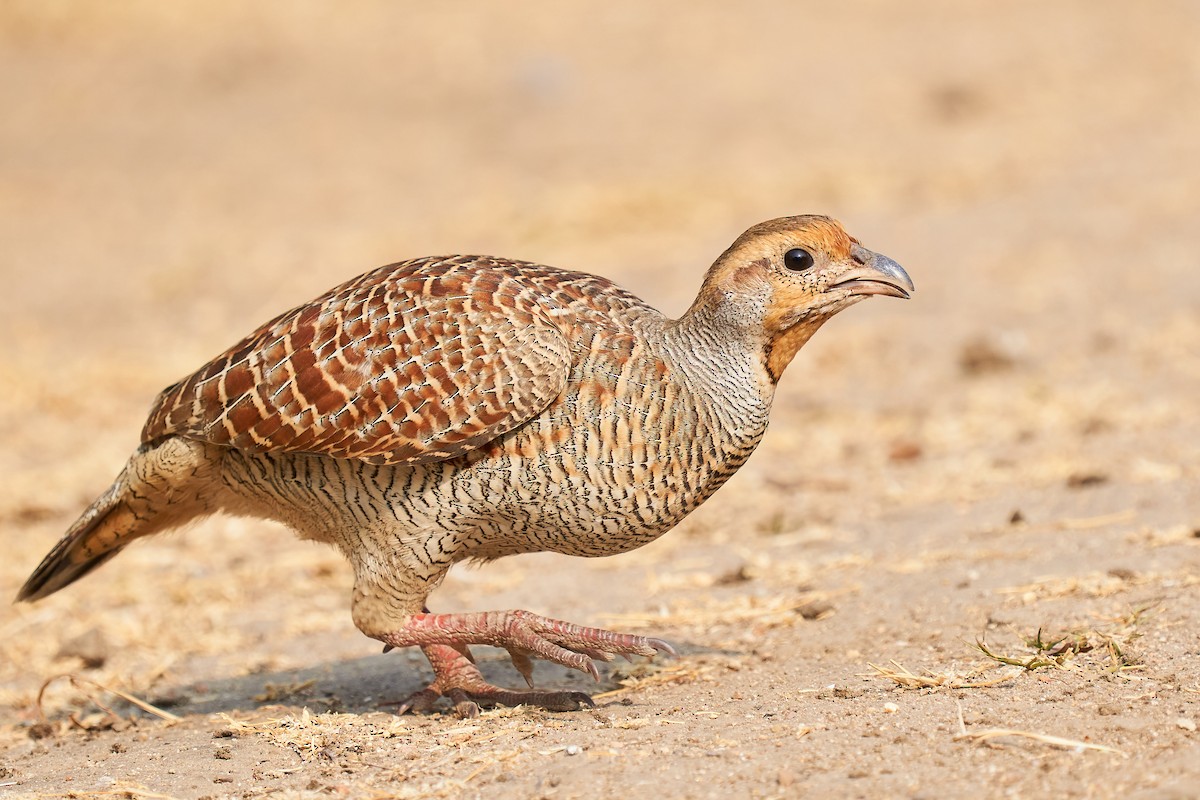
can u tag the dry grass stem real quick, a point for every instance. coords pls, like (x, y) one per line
(1029, 663)
(986, 736)
(1101, 521)
(83, 683)
(910, 680)
(1062, 652)
(664, 676)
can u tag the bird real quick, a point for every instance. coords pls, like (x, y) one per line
(455, 408)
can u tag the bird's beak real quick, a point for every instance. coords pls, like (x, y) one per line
(874, 274)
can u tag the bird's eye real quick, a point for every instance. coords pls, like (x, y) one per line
(797, 259)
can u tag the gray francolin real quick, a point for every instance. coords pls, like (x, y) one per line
(470, 407)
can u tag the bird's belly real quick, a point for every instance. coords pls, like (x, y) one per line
(605, 487)
(550, 498)
(569, 515)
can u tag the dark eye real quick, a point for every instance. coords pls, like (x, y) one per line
(797, 259)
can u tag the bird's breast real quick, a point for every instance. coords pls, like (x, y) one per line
(621, 457)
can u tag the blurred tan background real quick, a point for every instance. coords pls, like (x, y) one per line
(172, 175)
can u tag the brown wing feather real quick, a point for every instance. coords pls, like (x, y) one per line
(418, 361)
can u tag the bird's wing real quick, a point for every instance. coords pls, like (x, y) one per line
(416, 362)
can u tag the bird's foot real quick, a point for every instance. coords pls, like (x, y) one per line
(525, 634)
(460, 681)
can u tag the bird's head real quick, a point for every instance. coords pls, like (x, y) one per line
(782, 279)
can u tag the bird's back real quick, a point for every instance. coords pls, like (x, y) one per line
(417, 361)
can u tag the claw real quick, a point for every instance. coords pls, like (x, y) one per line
(466, 651)
(581, 699)
(387, 648)
(564, 701)
(662, 647)
(523, 664)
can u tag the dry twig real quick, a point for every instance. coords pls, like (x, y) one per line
(83, 683)
(986, 736)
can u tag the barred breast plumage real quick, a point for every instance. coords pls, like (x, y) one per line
(442, 409)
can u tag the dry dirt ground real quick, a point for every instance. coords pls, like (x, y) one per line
(964, 563)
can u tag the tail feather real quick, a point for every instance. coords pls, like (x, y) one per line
(95, 537)
(165, 484)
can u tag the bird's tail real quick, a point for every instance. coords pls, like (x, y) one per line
(164, 485)
(98, 535)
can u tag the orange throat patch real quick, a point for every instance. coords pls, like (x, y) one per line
(783, 348)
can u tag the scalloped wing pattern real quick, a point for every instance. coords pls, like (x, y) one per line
(419, 361)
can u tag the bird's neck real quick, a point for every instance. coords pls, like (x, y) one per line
(721, 336)
(745, 325)
(721, 358)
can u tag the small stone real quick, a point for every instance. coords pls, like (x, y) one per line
(41, 730)
(815, 609)
(1082, 480)
(1186, 724)
(90, 647)
(981, 356)
(223, 753)
(905, 450)
(169, 698)
(890, 708)
(573, 750)
(739, 575)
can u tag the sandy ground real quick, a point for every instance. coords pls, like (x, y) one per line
(1011, 459)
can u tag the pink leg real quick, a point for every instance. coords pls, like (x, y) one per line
(443, 638)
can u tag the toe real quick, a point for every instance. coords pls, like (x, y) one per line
(419, 702)
(464, 706)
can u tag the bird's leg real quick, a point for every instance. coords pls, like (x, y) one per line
(458, 679)
(444, 637)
